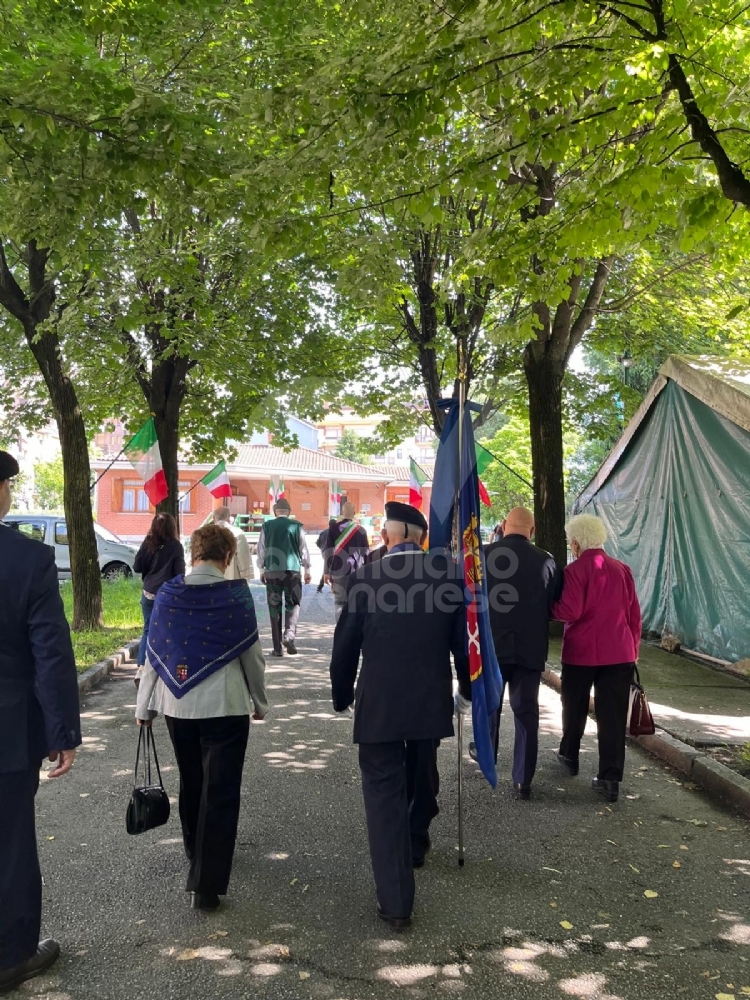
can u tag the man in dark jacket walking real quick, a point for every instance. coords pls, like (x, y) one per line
(39, 718)
(346, 551)
(405, 614)
(522, 582)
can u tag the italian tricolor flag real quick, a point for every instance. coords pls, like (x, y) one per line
(143, 454)
(280, 493)
(484, 458)
(417, 479)
(217, 481)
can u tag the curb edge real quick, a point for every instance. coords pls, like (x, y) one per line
(91, 677)
(717, 780)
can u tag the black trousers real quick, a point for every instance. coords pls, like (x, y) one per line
(400, 784)
(522, 686)
(210, 756)
(20, 877)
(283, 588)
(611, 697)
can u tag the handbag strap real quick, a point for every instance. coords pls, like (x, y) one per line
(636, 675)
(138, 755)
(150, 738)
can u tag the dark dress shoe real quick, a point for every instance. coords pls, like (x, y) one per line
(570, 765)
(473, 751)
(47, 953)
(417, 857)
(204, 901)
(522, 792)
(290, 647)
(610, 789)
(277, 652)
(395, 923)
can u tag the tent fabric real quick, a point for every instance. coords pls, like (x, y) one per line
(676, 502)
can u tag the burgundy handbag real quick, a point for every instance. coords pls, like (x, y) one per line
(640, 720)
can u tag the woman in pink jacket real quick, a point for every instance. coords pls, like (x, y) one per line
(602, 619)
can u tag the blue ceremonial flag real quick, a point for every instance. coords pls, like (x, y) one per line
(451, 482)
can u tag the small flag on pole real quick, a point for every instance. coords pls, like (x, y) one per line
(217, 481)
(143, 454)
(484, 458)
(417, 479)
(280, 492)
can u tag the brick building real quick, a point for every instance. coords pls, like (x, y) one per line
(310, 479)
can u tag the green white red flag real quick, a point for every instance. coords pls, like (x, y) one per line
(217, 481)
(417, 479)
(143, 454)
(484, 458)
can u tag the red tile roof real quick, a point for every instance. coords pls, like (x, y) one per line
(267, 458)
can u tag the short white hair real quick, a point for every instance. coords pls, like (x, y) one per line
(404, 532)
(586, 529)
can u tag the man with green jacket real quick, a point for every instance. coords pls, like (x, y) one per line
(282, 555)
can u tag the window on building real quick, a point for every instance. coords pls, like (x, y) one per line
(143, 502)
(333, 432)
(128, 499)
(185, 501)
(425, 453)
(399, 453)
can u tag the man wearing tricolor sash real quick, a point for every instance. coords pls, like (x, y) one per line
(346, 550)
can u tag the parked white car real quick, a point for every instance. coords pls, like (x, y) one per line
(115, 556)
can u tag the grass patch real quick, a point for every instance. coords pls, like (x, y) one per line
(123, 621)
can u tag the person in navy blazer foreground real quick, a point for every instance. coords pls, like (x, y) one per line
(39, 717)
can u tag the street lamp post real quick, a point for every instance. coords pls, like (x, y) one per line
(627, 361)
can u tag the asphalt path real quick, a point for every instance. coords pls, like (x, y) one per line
(562, 896)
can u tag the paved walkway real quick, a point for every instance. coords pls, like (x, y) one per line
(562, 896)
(697, 704)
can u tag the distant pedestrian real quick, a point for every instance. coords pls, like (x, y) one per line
(405, 616)
(39, 718)
(322, 543)
(160, 558)
(346, 550)
(205, 673)
(241, 566)
(600, 647)
(522, 583)
(282, 555)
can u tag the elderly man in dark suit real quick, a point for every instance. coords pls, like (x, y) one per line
(522, 582)
(405, 614)
(38, 718)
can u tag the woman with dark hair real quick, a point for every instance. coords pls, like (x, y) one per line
(160, 558)
(205, 673)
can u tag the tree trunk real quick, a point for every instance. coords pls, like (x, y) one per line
(31, 311)
(544, 377)
(79, 515)
(168, 386)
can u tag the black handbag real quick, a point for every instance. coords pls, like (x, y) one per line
(149, 803)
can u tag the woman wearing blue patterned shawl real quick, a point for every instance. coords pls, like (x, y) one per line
(205, 673)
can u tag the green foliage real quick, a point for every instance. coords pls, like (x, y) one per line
(123, 621)
(49, 483)
(353, 447)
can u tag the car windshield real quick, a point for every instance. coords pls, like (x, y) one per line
(109, 535)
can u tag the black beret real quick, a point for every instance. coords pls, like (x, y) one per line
(282, 504)
(8, 466)
(405, 514)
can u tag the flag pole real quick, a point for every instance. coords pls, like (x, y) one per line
(117, 456)
(460, 546)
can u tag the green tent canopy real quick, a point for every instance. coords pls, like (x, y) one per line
(674, 494)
